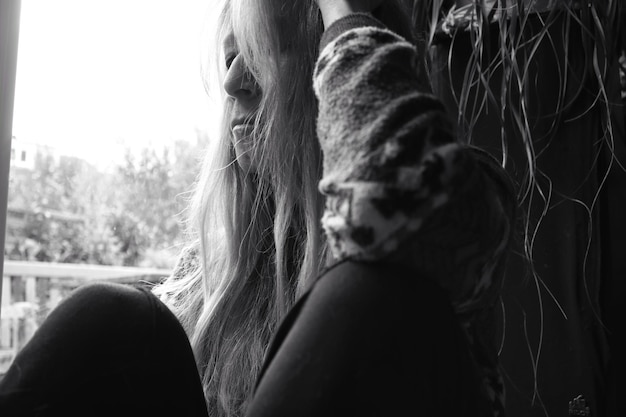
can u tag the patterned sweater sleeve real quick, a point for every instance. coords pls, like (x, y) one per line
(397, 183)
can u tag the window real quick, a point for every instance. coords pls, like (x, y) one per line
(102, 147)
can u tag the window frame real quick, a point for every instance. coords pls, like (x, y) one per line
(9, 36)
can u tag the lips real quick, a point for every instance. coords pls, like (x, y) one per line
(242, 130)
(242, 119)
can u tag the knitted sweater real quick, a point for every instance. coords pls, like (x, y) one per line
(399, 187)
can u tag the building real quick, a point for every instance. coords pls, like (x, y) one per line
(23, 153)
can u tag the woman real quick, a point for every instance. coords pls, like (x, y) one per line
(225, 302)
(231, 310)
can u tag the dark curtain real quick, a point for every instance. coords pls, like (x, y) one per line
(562, 335)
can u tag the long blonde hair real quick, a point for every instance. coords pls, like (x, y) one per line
(256, 235)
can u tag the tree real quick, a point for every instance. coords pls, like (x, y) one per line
(59, 202)
(73, 213)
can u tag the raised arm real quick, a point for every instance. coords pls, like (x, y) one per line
(398, 184)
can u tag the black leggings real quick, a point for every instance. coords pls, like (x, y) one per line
(107, 350)
(370, 340)
(367, 340)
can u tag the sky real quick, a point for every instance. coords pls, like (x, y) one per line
(94, 76)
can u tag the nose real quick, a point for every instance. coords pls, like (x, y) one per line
(239, 83)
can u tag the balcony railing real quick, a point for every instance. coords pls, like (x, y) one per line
(30, 290)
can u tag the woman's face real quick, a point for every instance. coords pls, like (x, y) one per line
(245, 95)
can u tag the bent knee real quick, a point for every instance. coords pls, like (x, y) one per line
(108, 307)
(110, 297)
